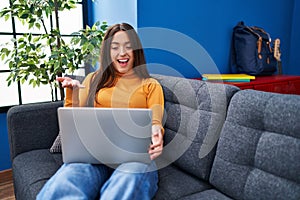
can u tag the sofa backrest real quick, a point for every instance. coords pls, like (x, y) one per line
(258, 154)
(27, 124)
(194, 115)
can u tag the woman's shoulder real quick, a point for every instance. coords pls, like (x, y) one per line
(89, 76)
(151, 84)
(150, 81)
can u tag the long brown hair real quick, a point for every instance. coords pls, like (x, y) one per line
(105, 76)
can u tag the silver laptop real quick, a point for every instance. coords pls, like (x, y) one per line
(105, 135)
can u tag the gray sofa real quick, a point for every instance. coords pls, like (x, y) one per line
(220, 143)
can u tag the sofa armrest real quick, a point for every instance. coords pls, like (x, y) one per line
(32, 126)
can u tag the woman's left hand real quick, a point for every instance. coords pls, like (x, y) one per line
(156, 147)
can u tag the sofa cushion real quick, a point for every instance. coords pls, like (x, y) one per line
(56, 146)
(32, 169)
(258, 154)
(211, 194)
(175, 184)
(32, 126)
(194, 115)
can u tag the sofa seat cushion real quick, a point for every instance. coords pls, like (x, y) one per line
(258, 154)
(32, 169)
(211, 194)
(175, 184)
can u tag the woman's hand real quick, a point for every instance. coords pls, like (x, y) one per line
(67, 82)
(156, 147)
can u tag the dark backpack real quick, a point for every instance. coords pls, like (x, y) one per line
(251, 51)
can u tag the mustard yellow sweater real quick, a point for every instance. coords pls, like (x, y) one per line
(130, 91)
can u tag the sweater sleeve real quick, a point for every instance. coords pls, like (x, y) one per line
(78, 97)
(155, 101)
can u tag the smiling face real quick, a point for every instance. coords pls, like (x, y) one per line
(121, 52)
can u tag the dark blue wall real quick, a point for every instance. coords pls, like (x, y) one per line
(210, 24)
(4, 148)
(294, 64)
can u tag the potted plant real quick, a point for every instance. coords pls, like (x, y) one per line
(28, 59)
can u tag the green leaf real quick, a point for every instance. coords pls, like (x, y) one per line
(36, 39)
(6, 17)
(3, 56)
(32, 20)
(64, 61)
(11, 65)
(30, 25)
(21, 46)
(90, 47)
(38, 25)
(24, 15)
(31, 9)
(104, 27)
(40, 13)
(29, 37)
(28, 49)
(75, 40)
(31, 81)
(85, 47)
(8, 82)
(21, 39)
(32, 47)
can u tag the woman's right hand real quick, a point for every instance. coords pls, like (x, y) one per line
(67, 82)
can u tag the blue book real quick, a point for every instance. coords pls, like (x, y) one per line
(226, 80)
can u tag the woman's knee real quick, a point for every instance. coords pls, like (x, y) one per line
(137, 167)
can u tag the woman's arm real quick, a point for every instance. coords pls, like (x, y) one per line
(155, 101)
(76, 93)
(156, 147)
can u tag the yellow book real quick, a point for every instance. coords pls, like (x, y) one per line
(227, 76)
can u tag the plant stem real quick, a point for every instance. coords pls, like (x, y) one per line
(62, 94)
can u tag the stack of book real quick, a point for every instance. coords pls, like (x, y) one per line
(228, 77)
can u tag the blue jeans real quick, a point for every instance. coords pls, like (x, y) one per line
(86, 181)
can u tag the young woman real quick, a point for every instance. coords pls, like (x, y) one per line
(121, 81)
